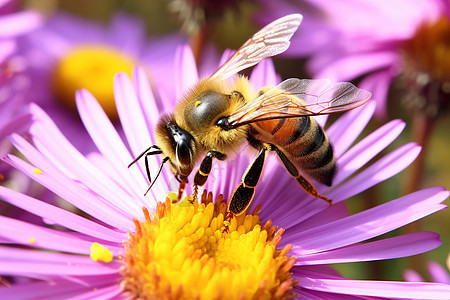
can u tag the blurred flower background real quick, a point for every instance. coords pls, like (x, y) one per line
(397, 50)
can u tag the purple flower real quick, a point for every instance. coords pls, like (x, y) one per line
(346, 40)
(69, 53)
(119, 250)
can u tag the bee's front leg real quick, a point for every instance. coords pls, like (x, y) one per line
(205, 168)
(181, 187)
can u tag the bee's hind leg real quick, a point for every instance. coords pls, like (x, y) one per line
(243, 194)
(304, 183)
(205, 168)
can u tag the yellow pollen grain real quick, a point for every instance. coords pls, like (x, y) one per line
(172, 196)
(37, 171)
(197, 103)
(182, 251)
(31, 240)
(100, 253)
(91, 67)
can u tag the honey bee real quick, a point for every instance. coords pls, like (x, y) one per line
(218, 115)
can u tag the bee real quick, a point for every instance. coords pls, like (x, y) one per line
(218, 115)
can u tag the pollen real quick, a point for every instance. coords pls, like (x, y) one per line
(37, 171)
(91, 67)
(182, 251)
(197, 103)
(100, 253)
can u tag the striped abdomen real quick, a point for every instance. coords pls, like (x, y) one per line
(304, 142)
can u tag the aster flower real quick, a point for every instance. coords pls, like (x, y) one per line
(128, 245)
(345, 40)
(69, 53)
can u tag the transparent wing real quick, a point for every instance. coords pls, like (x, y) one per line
(273, 39)
(300, 97)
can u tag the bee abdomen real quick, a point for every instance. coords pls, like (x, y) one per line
(304, 141)
(314, 154)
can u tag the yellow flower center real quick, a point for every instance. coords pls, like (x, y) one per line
(425, 78)
(184, 252)
(91, 67)
(429, 50)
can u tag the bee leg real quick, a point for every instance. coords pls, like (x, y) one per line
(205, 168)
(304, 183)
(243, 194)
(181, 188)
(146, 154)
(227, 221)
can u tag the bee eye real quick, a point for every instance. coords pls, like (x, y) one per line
(183, 152)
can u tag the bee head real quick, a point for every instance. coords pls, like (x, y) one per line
(176, 144)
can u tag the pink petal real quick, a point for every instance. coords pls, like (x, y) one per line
(45, 238)
(137, 133)
(131, 114)
(56, 289)
(36, 262)
(390, 290)
(366, 149)
(73, 193)
(344, 68)
(369, 223)
(361, 18)
(378, 83)
(348, 127)
(7, 47)
(438, 273)
(381, 170)
(152, 113)
(110, 292)
(17, 124)
(292, 222)
(150, 107)
(18, 23)
(60, 216)
(186, 75)
(135, 128)
(55, 146)
(130, 183)
(395, 247)
(413, 276)
(264, 75)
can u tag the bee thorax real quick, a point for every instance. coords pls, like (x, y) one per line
(205, 110)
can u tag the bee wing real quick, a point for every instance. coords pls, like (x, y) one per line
(273, 39)
(300, 97)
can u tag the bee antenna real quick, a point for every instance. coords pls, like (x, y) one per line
(157, 175)
(146, 152)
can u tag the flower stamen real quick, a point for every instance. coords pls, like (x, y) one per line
(181, 252)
